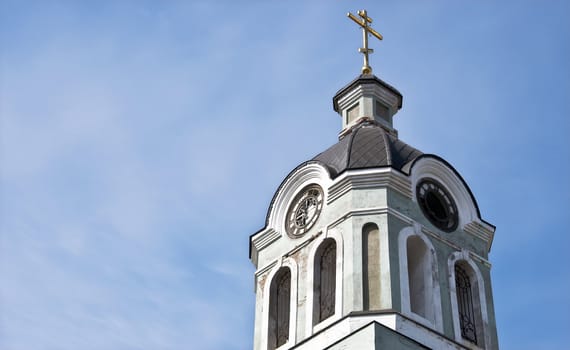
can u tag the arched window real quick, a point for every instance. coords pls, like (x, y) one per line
(420, 280)
(468, 303)
(371, 267)
(279, 308)
(324, 281)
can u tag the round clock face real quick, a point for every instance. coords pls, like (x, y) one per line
(437, 205)
(304, 210)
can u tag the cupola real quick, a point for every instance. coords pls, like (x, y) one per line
(367, 97)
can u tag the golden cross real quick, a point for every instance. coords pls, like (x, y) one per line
(364, 22)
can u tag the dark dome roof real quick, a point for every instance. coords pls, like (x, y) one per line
(368, 145)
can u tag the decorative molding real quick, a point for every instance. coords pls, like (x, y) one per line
(369, 90)
(303, 244)
(265, 238)
(363, 179)
(481, 230)
(355, 321)
(480, 259)
(439, 238)
(455, 246)
(376, 178)
(361, 212)
(469, 221)
(262, 271)
(407, 220)
(311, 173)
(308, 173)
(427, 167)
(371, 211)
(266, 268)
(450, 243)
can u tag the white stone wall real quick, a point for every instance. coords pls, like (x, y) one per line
(352, 200)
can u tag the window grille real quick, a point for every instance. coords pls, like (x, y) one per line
(465, 304)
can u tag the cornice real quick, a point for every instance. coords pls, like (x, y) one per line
(261, 240)
(265, 238)
(482, 231)
(363, 179)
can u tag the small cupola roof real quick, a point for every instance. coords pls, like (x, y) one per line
(367, 145)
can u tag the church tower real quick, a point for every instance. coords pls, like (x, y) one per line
(373, 244)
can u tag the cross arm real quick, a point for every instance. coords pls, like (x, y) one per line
(357, 20)
(363, 24)
(375, 33)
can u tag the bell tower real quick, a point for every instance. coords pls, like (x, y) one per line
(373, 244)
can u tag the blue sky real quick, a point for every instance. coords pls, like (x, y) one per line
(141, 143)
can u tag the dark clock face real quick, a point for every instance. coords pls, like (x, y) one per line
(437, 205)
(304, 210)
